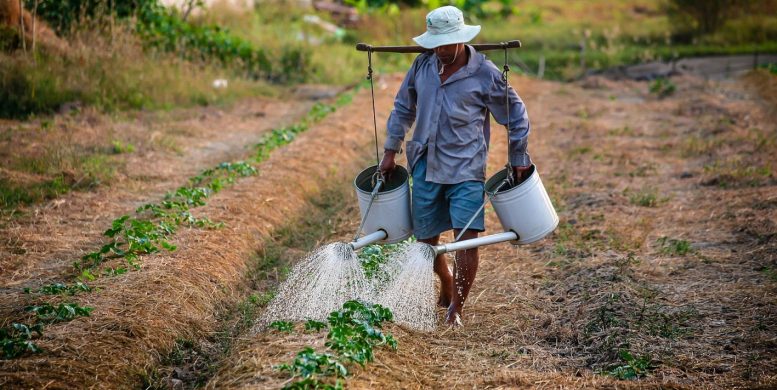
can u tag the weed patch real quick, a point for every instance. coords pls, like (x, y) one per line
(662, 87)
(646, 197)
(674, 247)
(632, 367)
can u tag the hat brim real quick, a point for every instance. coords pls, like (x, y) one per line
(430, 41)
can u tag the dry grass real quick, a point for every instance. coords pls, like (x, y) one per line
(139, 315)
(559, 313)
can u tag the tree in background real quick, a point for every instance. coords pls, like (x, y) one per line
(707, 15)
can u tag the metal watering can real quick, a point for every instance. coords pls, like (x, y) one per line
(384, 206)
(524, 210)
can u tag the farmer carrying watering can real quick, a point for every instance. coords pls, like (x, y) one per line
(449, 93)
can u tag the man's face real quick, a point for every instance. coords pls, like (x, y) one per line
(447, 53)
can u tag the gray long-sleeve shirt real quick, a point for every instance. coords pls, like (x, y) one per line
(452, 124)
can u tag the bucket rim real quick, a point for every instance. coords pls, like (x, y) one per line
(497, 178)
(369, 171)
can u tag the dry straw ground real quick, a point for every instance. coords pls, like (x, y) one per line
(625, 169)
(138, 316)
(666, 248)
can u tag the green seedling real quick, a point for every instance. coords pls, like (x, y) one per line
(16, 340)
(354, 332)
(662, 87)
(674, 247)
(47, 313)
(60, 288)
(314, 326)
(282, 326)
(634, 367)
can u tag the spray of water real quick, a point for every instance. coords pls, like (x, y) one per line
(410, 291)
(318, 285)
(332, 275)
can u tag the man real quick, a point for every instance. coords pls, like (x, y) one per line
(449, 93)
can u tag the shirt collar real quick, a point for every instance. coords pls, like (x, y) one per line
(474, 62)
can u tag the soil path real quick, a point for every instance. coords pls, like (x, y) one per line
(664, 259)
(172, 147)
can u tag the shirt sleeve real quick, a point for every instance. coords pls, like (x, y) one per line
(404, 113)
(519, 127)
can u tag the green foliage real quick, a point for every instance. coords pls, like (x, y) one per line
(65, 15)
(47, 313)
(282, 326)
(60, 288)
(354, 331)
(471, 8)
(12, 194)
(277, 138)
(662, 87)
(708, 15)
(634, 367)
(16, 340)
(645, 198)
(771, 68)
(373, 256)
(314, 326)
(284, 135)
(674, 247)
(147, 232)
(122, 147)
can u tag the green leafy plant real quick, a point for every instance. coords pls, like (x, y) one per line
(645, 198)
(662, 87)
(634, 367)
(60, 288)
(147, 232)
(674, 247)
(373, 256)
(47, 313)
(282, 326)
(314, 326)
(354, 332)
(16, 340)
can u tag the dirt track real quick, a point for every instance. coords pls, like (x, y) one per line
(624, 169)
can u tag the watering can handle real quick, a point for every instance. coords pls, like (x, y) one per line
(374, 194)
(507, 181)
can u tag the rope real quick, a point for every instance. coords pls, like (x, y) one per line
(374, 118)
(505, 69)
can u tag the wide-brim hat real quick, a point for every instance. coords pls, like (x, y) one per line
(445, 26)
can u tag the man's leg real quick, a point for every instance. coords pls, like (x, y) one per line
(442, 270)
(464, 275)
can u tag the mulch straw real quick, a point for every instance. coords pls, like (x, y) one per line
(178, 295)
(558, 313)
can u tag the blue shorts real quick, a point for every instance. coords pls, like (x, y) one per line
(441, 207)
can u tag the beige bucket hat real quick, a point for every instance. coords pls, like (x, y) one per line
(445, 26)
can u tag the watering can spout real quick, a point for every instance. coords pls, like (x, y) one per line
(368, 239)
(475, 242)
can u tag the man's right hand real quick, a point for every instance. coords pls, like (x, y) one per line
(387, 165)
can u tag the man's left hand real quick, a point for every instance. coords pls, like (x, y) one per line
(521, 173)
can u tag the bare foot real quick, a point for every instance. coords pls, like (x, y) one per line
(453, 317)
(444, 301)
